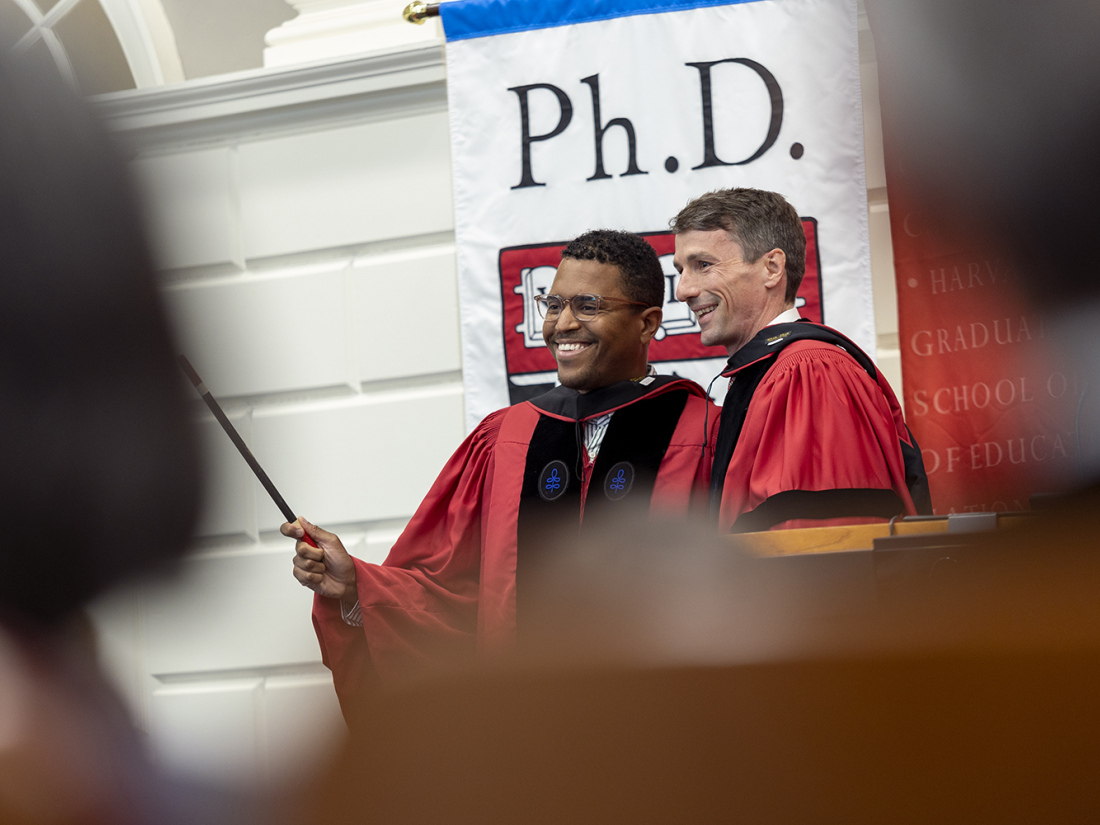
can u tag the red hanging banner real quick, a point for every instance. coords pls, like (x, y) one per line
(984, 393)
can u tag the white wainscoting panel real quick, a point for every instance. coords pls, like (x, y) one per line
(268, 333)
(209, 731)
(303, 724)
(346, 186)
(229, 497)
(230, 612)
(193, 207)
(365, 459)
(405, 309)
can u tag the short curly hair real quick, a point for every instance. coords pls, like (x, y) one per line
(640, 270)
(757, 219)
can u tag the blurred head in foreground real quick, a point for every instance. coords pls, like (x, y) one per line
(998, 114)
(99, 478)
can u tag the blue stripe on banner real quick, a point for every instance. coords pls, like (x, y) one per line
(466, 19)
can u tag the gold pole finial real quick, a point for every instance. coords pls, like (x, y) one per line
(419, 12)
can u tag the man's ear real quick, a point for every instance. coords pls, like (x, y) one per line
(651, 322)
(775, 268)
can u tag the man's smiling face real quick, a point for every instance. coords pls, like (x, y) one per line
(731, 297)
(612, 346)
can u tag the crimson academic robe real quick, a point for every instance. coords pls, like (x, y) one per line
(811, 434)
(450, 580)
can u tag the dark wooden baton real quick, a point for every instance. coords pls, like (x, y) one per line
(235, 437)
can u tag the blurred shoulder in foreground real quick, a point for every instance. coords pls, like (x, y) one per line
(100, 476)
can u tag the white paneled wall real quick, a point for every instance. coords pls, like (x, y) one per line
(229, 500)
(388, 289)
(304, 224)
(345, 186)
(366, 458)
(194, 213)
(284, 330)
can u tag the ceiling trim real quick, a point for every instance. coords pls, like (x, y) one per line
(215, 110)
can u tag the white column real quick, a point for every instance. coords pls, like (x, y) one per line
(327, 30)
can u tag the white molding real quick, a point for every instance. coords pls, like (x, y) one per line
(147, 40)
(381, 85)
(326, 29)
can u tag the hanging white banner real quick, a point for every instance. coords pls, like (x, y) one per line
(570, 115)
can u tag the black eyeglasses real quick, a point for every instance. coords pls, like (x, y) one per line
(585, 306)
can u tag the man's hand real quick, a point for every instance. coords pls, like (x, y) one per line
(326, 569)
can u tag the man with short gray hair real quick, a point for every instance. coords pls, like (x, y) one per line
(811, 433)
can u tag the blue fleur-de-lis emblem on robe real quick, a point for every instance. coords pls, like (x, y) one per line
(553, 482)
(619, 480)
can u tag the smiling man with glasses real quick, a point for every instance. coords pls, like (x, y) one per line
(612, 440)
(596, 332)
(810, 433)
